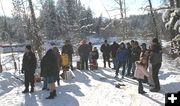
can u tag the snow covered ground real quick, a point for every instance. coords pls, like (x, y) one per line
(91, 88)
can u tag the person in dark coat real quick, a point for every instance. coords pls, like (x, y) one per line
(121, 56)
(114, 47)
(83, 51)
(129, 59)
(28, 68)
(155, 60)
(91, 46)
(43, 74)
(58, 57)
(136, 51)
(50, 71)
(105, 49)
(90, 49)
(68, 49)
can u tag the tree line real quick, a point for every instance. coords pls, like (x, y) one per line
(70, 19)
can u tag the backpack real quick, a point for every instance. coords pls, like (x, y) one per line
(64, 59)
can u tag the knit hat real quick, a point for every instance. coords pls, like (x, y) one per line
(155, 40)
(143, 44)
(28, 47)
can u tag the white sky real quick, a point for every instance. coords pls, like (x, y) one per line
(133, 6)
(97, 6)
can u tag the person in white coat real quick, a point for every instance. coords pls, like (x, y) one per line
(139, 74)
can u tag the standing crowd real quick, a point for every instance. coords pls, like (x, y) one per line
(134, 59)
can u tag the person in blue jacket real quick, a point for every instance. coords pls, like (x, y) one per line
(121, 56)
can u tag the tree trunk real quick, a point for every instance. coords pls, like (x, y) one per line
(37, 41)
(125, 10)
(121, 8)
(154, 19)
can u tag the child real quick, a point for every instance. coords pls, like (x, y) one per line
(140, 72)
(94, 56)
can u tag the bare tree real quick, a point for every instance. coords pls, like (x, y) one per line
(154, 19)
(37, 41)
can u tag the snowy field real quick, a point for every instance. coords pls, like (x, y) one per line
(90, 88)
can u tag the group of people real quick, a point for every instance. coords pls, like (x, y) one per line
(136, 58)
(50, 64)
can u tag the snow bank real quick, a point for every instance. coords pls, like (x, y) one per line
(176, 62)
(8, 82)
(177, 25)
(166, 15)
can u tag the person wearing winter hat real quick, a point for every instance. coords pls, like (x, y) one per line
(28, 68)
(139, 74)
(83, 51)
(68, 49)
(155, 60)
(105, 49)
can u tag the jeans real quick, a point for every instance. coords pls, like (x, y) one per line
(155, 72)
(123, 64)
(45, 84)
(114, 62)
(106, 58)
(29, 78)
(70, 61)
(140, 86)
(129, 66)
(133, 68)
(84, 61)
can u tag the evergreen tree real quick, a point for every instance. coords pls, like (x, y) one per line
(49, 17)
(72, 11)
(62, 17)
(99, 24)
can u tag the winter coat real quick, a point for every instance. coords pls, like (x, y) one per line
(114, 47)
(95, 55)
(67, 49)
(129, 54)
(140, 71)
(136, 53)
(155, 54)
(29, 62)
(84, 51)
(121, 54)
(49, 65)
(42, 65)
(145, 55)
(59, 61)
(105, 49)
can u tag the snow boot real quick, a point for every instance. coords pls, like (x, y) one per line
(58, 82)
(26, 90)
(32, 90)
(54, 93)
(142, 92)
(154, 90)
(51, 96)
